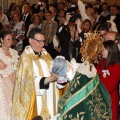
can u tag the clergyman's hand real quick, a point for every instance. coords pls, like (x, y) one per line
(52, 78)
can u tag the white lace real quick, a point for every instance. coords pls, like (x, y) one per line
(84, 68)
(10, 62)
(3, 115)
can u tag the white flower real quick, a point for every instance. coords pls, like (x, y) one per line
(105, 73)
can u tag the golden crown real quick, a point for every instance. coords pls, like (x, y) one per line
(91, 47)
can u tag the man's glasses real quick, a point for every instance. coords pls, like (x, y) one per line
(39, 41)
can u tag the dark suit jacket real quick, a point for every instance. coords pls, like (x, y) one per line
(27, 21)
(102, 19)
(64, 38)
(56, 19)
(116, 20)
(65, 41)
(100, 9)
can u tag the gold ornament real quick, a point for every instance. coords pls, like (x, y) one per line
(91, 48)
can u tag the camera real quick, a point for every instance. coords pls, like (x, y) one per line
(74, 16)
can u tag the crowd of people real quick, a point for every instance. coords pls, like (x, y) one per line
(32, 36)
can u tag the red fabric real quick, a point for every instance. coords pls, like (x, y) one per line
(85, 31)
(111, 83)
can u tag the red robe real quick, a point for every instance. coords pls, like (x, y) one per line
(111, 83)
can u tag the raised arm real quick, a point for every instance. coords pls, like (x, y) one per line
(81, 7)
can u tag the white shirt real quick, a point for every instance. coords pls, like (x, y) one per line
(4, 20)
(112, 17)
(81, 6)
(25, 17)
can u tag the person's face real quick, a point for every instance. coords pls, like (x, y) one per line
(60, 6)
(90, 11)
(55, 1)
(42, 14)
(22, 2)
(14, 5)
(44, 5)
(68, 16)
(113, 10)
(37, 43)
(48, 16)
(103, 33)
(62, 20)
(36, 20)
(110, 36)
(97, 2)
(61, 14)
(17, 9)
(86, 26)
(15, 17)
(26, 9)
(53, 12)
(7, 41)
(104, 7)
(104, 53)
(74, 1)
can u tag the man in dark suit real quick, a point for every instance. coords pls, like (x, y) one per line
(23, 2)
(98, 17)
(98, 5)
(53, 10)
(105, 12)
(114, 16)
(26, 18)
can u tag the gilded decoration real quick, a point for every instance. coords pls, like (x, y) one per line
(91, 48)
(68, 92)
(97, 107)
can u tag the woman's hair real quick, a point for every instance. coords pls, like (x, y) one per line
(102, 27)
(4, 33)
(84, 22)
(48, 12)
(14, 14)
(17, 6)
(11, 7)
(113, 52)
(87, 21)
(34, 31)
(36, 15)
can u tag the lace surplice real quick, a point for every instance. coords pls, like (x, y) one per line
(7, 83)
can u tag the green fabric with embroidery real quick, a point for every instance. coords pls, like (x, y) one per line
(85, 99)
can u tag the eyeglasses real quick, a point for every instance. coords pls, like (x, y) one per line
(39, 41)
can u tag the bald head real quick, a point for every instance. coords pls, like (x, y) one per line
(111, 35)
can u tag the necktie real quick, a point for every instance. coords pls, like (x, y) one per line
(24, 18)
